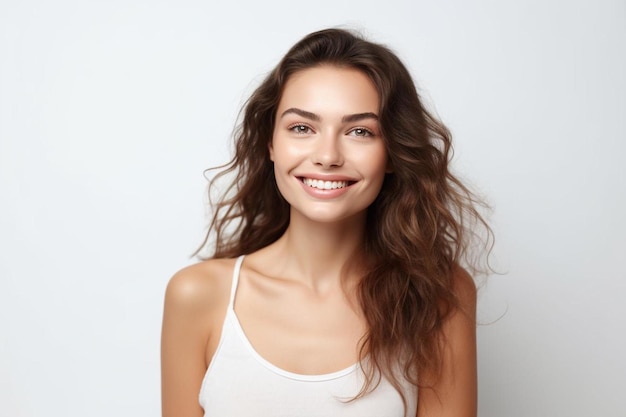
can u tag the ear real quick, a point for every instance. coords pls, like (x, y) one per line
(270, 147)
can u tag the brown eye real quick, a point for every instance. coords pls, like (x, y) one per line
(361, 131)
(300, 129)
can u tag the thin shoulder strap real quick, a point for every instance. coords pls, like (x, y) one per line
(233, 289)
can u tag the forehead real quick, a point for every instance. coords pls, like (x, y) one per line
(329, 90)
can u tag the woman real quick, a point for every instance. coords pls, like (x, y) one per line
(350, 300)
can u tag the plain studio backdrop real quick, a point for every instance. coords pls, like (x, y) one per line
(111, 110)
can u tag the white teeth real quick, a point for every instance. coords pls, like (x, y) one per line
(324, 185)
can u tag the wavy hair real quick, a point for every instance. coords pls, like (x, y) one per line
(419, 229)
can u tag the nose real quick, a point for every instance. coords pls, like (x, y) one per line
(328, 152)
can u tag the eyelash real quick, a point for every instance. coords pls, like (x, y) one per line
(294, 128)
(366, 131)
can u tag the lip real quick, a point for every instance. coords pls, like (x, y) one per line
(325, 194)
(326, 177)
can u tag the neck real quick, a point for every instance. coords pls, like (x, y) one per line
(320, 254)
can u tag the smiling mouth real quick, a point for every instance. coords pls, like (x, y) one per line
(326, 185)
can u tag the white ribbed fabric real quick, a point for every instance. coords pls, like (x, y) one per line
(239, 382)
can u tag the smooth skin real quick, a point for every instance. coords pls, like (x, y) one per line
(301, 313)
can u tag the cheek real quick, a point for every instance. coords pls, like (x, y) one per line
(286, 154)
(377, 162)
(284, 162)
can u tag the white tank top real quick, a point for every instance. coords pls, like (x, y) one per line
(240, 383)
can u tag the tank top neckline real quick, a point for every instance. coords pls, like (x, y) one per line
(257, 356)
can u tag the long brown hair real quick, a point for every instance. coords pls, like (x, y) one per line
(419, 228)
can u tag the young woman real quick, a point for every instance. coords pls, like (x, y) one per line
(335, 287)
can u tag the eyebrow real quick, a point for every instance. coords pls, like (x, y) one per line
(316, 117)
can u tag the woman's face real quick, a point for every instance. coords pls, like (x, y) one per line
(329, 157)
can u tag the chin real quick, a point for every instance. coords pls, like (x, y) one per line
(328, 216)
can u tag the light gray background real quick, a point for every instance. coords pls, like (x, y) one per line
(110, 111)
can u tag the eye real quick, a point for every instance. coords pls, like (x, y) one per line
(301, 129)
(361, 131)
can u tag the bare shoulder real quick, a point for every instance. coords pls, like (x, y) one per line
(464, 289)
(453, 390)
(195, 303)
(200, 286)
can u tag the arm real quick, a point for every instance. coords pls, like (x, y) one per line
(191, 301)
(454, 393)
